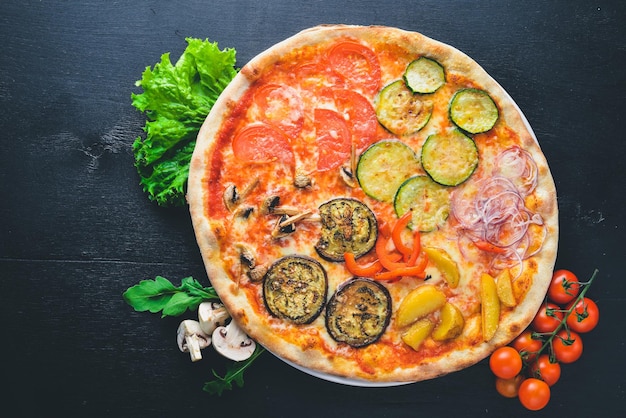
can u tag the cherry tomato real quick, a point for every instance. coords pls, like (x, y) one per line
(567, 348)
(505, 362)
(526, 345)
(564, 287)
(548, 318)
(509, 387)
(584, 317)
(544, 369)
(534, 394)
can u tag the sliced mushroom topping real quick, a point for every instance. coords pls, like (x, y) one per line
(246, 191)
(347, 173)
(271, 206)
(257, 272)
(288, 216)
(191, 339)
(292, 220)
(249, 264)
(302, 181)
(232, 197)
(243, 212)
(231, 342)
(212, 315)
(287, 224)
(348, 177)
(283, 228)
(246, 256)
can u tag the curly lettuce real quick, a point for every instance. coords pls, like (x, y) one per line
(176, 99)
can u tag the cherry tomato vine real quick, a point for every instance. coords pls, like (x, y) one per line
(528, 367)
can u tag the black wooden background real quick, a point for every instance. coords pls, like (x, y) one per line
(76, 230)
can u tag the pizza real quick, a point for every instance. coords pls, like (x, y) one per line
(370, 204)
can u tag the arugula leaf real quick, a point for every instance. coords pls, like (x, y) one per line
(176, 99)
(160, 295)
(234, 374)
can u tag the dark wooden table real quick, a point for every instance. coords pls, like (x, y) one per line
(76, 230)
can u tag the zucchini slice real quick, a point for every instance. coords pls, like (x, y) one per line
(429, 201)
(473, 110)
(424, 75)
(401, 111)
(348, 225)
(295, 289)
(359, 312)
(449, 158)
(383, 167)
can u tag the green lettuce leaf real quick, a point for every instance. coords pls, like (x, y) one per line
(176, 99)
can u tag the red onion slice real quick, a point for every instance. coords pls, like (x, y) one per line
(519, 166)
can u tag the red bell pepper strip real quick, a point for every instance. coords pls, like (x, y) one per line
(489, 247)
(359, 270)
(416, 250)
(385, 257)
(384, 229)
(396, 234)
(415, 271)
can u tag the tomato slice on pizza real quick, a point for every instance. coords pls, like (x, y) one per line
(262, 143)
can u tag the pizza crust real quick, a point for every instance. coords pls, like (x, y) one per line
(237, 299)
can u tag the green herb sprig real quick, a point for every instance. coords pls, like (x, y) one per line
(160, 295)
(234, 374)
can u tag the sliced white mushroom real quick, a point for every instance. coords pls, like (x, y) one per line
(302, 181)
(243, 212)
(348, 177)
(296, 218)
(232, 197)
(212, 315)
(271, 206)
(191, 339)
(246, 256)
(287, 224)
(249, 187)
(348, 174)
(257, 273)
(231, 342)
(282, 228)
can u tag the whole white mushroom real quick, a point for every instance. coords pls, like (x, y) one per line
(231, 342)
(191, 339)
(212, 315)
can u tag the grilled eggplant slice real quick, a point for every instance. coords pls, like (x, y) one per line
(359, 312)
(348, 225)
(295, 289)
